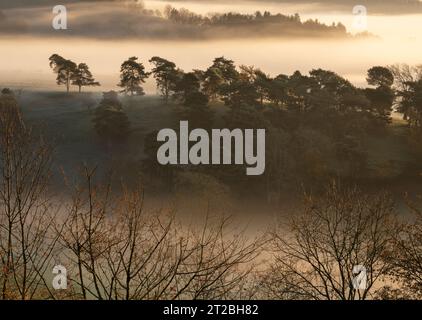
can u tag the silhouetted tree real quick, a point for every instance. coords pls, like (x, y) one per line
(132, 76)
(65, 70)
(82, 77)
(403, 74)
(110, 121)
(321, 253)
(278, 90)
(187, 84)
(220, 74)
(27, 239)
(166, 75)
(407, 256)
(382, 97)
(411, 103)
(194, 102)
(380, 76)
(213, 79)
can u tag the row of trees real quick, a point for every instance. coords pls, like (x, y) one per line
(251, 86)
(233, 19)
(114, 249)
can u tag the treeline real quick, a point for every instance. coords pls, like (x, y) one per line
(264, 24)
(137, 22)
(233, 19)
(317, 124)
(280, 24)
(113, 248)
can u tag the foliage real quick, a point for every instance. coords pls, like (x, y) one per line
(83, 77)
(132, 75)
(110, 121)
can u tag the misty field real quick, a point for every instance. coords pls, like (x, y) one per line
(67, 119)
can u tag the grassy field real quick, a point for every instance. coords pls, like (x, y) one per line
(68, 120)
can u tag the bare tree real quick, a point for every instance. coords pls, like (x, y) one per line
(405, 74)
(121, 251)
(407, 257)
(26, 216)
(317, 254)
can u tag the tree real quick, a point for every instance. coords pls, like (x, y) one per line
(381, 100)
(132, 75)
(213, 79)
(407, 256)
(82, 77)
(408, 85)
(262, 82)
(166, 75)
(380, 77)
(120, 251)
(277, 92)
(410, 103)
(187, 85)
(382, 97)
(221, 73)
(323, 250)
(27, 239)
(197, 110)
(258, 80)
(194, 102)
(65, 70)
(110, 121)
(404, 74)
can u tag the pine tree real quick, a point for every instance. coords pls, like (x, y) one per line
(82, 77)
(132, 75)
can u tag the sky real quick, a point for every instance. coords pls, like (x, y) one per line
(97, 35)
(378, 6)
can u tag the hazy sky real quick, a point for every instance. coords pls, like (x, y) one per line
(377, 6)
(24, 59)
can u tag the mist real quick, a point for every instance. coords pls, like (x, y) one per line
(24, 56)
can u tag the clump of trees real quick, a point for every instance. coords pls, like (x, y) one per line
(110, 120)
(69, 73)
(320, 120)
(264, 23)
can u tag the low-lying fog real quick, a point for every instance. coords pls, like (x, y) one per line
(24, 61)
